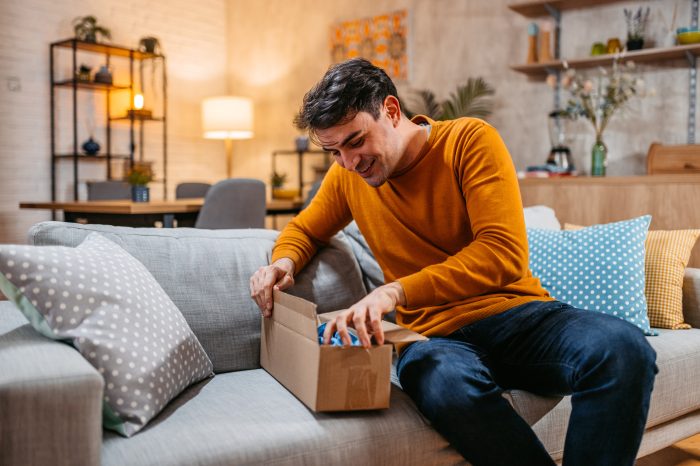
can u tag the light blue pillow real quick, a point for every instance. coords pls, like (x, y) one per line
(600, 268)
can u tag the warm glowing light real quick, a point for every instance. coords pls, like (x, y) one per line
(138, 101)
(227, 118)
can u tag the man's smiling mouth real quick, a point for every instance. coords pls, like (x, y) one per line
(366, 170)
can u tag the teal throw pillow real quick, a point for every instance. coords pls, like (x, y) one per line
(600, 268)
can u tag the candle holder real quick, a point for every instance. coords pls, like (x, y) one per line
(139, 113)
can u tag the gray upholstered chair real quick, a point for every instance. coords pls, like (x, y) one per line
(312, 193)
(234, 203)
(108, 190)
(191, 190)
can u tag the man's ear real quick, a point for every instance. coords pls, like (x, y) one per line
(393, 109)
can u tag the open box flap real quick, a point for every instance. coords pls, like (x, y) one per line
(393, 334)
(297, 314)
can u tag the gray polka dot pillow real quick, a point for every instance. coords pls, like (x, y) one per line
(103, 301)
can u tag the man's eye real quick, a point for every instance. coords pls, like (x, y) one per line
(335, 153)
(357, 143)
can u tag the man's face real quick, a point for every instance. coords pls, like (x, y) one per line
(371, 148)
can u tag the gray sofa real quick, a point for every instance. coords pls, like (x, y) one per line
(50, 397)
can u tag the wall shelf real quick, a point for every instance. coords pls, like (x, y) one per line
(655, 55)
(136, 117)
(538, 8)
(92, 158)
(660, 56)
(89, 85)
(107, 49)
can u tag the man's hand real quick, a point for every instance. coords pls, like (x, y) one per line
(278, 276)
(366, 315)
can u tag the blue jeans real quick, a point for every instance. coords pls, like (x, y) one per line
(548, 348)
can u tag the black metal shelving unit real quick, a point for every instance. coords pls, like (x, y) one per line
(300, 163)
(136, 121)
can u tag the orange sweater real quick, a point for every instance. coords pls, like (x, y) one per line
(450, 228)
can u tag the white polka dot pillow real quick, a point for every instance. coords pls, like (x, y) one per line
(600, 268)
(103, 301)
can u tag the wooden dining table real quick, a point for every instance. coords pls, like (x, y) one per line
(181, 212)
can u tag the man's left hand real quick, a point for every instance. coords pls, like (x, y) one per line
(366, 315)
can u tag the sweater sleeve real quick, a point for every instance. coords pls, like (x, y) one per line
(327, 213)
(498, 253)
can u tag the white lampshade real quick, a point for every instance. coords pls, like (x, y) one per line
(227, 118)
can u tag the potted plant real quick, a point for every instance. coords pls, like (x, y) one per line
(470, 99)
(277, 181)
(87, 29)
(138, 176)
(83, 73)
(636, 26)
(149, 44)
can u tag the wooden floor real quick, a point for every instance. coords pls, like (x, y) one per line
(684, 453)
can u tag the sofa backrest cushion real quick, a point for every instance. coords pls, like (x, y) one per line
(206, 273)
(541, 216)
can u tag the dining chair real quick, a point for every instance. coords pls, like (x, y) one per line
(191, 190)
(108, 190)
(233, 203)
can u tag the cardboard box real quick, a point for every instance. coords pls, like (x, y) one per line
(323, 377)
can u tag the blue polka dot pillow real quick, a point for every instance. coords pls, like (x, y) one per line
(600, 268)
(108, 305)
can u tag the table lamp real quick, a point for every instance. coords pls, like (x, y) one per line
(227, 118)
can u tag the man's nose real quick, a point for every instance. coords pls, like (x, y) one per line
(349, 160)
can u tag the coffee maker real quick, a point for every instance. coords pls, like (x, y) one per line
(559, 159)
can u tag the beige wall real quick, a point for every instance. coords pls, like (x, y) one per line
(275, 50)
(279, 49)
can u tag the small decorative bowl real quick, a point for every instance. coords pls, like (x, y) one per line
(689, 37)
(283, 193)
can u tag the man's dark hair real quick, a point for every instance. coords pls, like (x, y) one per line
(347, 88)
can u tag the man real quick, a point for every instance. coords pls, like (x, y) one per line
(439, 205)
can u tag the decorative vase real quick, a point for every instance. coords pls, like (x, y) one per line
(635, 44)
(149, 44)
(139, 193)
(91, 147)
(599, 157)
(103, 76)
(301, 143)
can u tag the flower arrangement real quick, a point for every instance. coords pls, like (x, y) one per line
(140, 174)
(598, 98)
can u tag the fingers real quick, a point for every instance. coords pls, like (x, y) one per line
(342, 328)
(376, 325)
(358, 321)
(328, 332)
(285, 282)
(262, 283)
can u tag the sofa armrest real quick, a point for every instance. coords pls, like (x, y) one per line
(691, 296)
(50, 398)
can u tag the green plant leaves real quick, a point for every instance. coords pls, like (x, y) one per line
(470, 99)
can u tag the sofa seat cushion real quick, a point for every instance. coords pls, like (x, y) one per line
(247, 417)
(206, 273)
(675, 390)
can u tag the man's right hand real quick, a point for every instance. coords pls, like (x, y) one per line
(278, 276)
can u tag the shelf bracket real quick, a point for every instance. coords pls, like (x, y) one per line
(692, 79)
